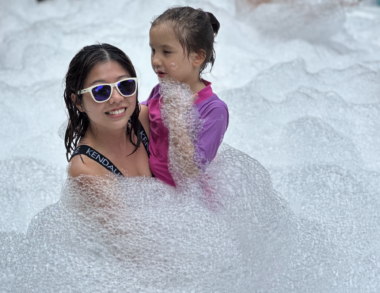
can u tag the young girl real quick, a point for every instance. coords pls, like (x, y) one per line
(182, 43)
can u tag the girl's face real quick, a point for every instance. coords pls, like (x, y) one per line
(113, 114)
(169, 59)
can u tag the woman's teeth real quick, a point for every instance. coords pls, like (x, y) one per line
(117, 111)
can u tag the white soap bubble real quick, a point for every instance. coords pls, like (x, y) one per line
(139, 234)
(183, 121)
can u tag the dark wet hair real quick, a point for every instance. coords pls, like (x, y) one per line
(195, 30)
(80, 66)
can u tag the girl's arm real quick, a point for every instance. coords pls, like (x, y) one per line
(181, 145)
(181, 118)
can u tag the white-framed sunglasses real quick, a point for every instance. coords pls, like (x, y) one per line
(102, 92)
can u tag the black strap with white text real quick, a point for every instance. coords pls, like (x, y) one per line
(96, 156)
(102, 160)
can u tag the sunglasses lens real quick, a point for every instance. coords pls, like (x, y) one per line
(101, 92)
(127, 87)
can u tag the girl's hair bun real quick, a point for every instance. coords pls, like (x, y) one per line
(214, 22)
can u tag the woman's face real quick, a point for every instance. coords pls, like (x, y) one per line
(113, 114)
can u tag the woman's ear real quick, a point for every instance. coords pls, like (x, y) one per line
(199, 57)
(79, 107)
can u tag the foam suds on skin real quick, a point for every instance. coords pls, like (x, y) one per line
(173, 66)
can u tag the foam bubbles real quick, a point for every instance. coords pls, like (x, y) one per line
(140, 235)
(182, 119)
(28, 185)
(301, 82)
(312, 21)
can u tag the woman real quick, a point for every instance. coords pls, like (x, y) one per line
(106, 128)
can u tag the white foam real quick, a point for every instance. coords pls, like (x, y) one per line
(301, 82)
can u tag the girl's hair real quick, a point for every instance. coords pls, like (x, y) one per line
(195, 30)
(79, 68)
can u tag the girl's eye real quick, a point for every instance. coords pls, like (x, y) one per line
(167, 52)
(152, 50)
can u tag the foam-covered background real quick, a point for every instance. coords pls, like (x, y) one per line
(302, 83)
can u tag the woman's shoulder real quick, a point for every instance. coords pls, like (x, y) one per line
(82, 165)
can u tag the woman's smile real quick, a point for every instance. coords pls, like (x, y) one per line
(116, 113)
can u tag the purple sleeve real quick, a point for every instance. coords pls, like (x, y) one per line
(214, 127)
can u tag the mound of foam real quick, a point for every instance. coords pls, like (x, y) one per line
(296, 117)
(230, 233)
(27, 186)
(355, 84)
(141, 235)
(312, 21)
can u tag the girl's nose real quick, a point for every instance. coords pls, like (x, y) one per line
(155, 60)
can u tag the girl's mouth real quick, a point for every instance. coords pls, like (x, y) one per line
(161, 74)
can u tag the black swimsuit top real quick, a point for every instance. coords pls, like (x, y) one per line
(102, 160)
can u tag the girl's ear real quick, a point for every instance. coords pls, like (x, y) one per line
(73, 98)
(199, 57)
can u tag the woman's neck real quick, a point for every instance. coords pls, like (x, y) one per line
(104, 139)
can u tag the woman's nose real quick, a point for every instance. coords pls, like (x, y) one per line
(116, 97)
